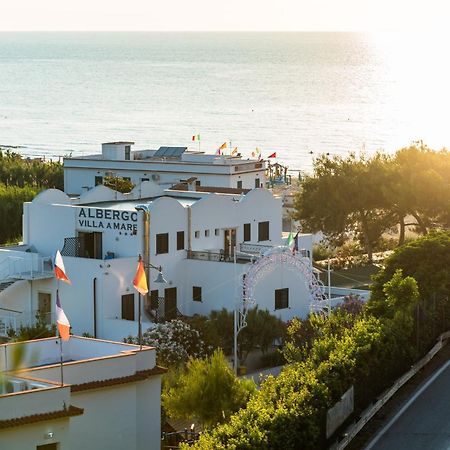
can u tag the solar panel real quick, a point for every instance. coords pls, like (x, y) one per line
(170, 152)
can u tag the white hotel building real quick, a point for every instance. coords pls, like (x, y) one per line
(109, 398)
(166, 166)
(191, 235)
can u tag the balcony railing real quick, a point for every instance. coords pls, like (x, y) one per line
(219, 256)
(29, 267)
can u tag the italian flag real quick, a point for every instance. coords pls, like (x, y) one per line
(196, 137)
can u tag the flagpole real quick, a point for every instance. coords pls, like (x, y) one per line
(60, 344)
(140, 322)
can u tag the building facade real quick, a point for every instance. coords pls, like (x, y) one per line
(166, 166)
(109, 396)
(204, 243)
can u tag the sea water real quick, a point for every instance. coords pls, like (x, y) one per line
(296, 94)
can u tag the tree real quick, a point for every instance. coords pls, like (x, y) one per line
(419, 187)
(119, 184)
(11, 207)
(344, 197)
(208, 390)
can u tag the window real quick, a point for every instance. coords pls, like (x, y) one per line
(98, 180)
(247, 232)
(282, 298)
(206, 233)
(198, 183)
(127, 152)
(162, 243)
(128, 307)
(239, 184)
(145, 179)
(180, 240)
(217, 232)
(263, 231)
(257, 183)
(154, 302)
(196, 293)
(197, 234)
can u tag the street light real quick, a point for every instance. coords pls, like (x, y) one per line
(147, 265)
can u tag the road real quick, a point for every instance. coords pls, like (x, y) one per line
(423, 422)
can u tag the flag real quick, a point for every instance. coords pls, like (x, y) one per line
(196, 137)
(234, 152)
(62, 321)
(60, 271)
(140, 280)
(295, 248)
(273, 155)
(256, 153)
(292, 242)
(219, 150)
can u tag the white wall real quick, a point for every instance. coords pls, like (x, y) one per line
(31, 435)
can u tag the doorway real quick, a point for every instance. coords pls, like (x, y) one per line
(45, 307)
(229, 243)
(170, 303)
(90, 245)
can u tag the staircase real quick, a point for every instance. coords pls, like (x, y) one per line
(5, 284)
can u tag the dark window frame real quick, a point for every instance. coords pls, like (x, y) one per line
(281, 298)
(180, 240)
(264, 231)
(257, 182)
(196, 293)
(98, 180)
(247, 232)
(127, 152)
(125, 311)
(162, 243)
(239, 184)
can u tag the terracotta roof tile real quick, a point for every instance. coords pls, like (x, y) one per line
(18, 421)
(138, 376)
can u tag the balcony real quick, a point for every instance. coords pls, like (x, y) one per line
(30, 266)
(220, 256)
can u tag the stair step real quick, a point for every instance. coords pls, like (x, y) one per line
(5, 284)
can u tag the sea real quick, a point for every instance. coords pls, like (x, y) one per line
(296, 94)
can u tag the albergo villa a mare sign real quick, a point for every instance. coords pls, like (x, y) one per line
(107, 219)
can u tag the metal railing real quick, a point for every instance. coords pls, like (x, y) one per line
(221, 256)
(27, 267)
(257, 249)
(73, 246)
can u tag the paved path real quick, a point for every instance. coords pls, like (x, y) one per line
(424, 422)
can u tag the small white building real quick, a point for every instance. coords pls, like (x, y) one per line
(166, 166)
(109, 398)
(205, 243)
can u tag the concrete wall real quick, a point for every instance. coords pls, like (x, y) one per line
(32, 435)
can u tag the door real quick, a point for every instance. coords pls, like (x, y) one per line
(229, 243)
(170, 303)
(128, 307)
(90, 245)
(45, 307)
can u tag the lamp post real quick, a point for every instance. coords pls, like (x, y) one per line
(147, 265)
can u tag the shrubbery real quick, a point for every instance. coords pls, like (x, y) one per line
(367, 349)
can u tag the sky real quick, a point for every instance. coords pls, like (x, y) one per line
(225, 15)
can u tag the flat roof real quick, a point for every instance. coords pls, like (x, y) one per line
(118, 143)
(130, 205)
